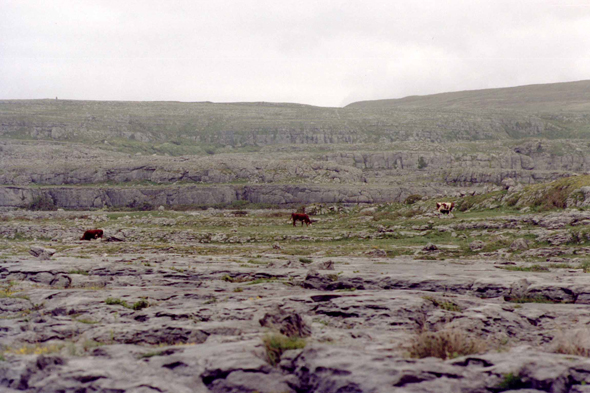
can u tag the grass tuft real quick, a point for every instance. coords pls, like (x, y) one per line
(574, 342)
(445, 344)
(116, 302)
(443, 304)
(140, 304)
(79, 271)
(276, 344)
(510, 382)
(532, 268)
(531, 299)
(29, 349)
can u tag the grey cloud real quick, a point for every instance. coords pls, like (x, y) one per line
(328, 53)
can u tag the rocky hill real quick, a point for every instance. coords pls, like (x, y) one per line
(554, 110)
(383, 150)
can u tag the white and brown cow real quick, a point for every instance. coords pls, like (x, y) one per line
(445, 207)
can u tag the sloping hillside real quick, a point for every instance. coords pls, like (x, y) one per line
(551, 111)
(552, 98)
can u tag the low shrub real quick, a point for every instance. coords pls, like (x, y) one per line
(42, 202)
(422, 163)
(411, 213)
(466, 204)
(555, 198)
(140, 304)
(513, 200)
(411, 199)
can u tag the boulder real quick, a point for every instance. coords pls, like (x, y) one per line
(326, 265)
(289, 324)
(430, 247)
(507, 183)
(377, 252)
(476, 245)
(41, 252)
(519, 244)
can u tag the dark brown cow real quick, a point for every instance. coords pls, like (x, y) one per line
(445, 207)
(304, 218)
(92, 234)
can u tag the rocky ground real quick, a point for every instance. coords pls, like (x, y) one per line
(373, 299)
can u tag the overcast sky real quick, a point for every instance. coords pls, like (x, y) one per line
(318, 52)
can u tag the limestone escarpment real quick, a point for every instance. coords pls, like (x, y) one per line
(133, 197)
(464, 139)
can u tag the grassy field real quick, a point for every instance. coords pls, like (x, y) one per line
(385, 231)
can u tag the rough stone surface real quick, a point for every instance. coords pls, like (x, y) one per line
(197, 334)
(519, 244)
(41, 252)
(476, 245)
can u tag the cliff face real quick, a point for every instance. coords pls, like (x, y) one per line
(98, 179)
(212, 170)
(121, 197)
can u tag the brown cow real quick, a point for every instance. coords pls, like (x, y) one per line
(445, 207)
(92, 234)
(304, 218)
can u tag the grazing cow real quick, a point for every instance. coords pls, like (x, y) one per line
(92, 234)
(304, 218)
(445, 207)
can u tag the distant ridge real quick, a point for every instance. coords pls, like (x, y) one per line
(551, 97)
(558, 110)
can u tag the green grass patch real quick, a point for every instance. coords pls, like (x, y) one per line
(257, 262)
(276, 344)
(86, 321)
(79, 271)
(151, 354)
(530, 299)
(141, 304)
(116, 302)
(228, 278)
(532, 268)
(443, 304)
(34, 349)
(510, 381)
(263, 281)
